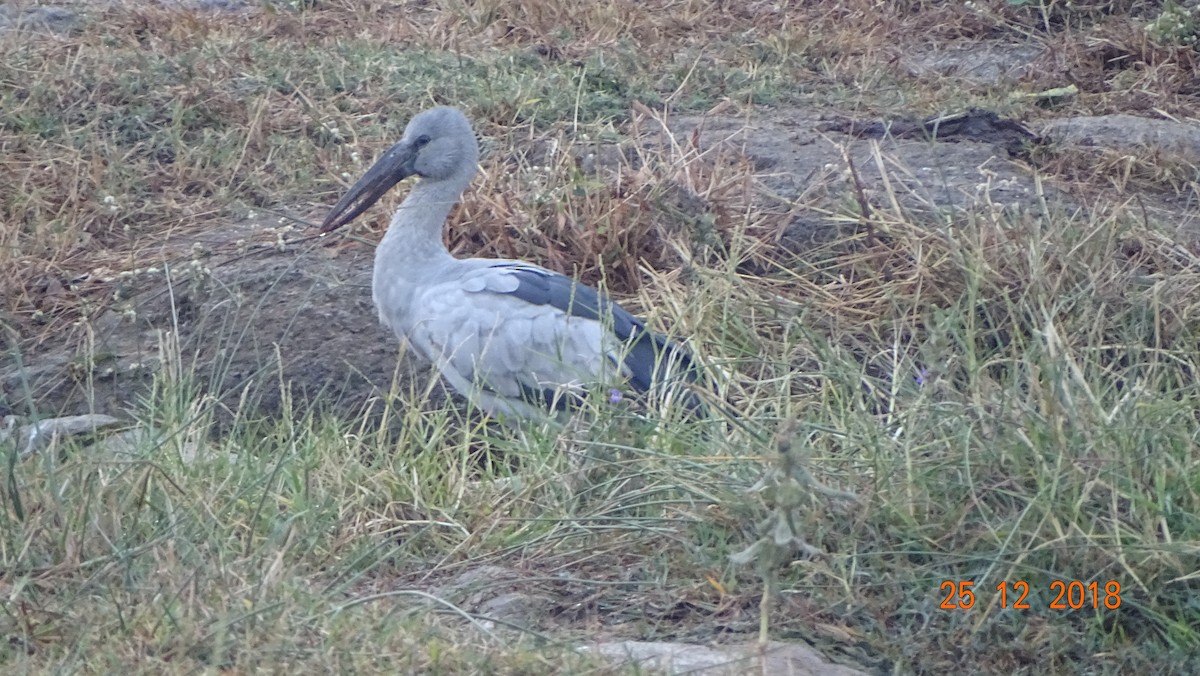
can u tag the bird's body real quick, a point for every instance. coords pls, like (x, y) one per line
(515, 338)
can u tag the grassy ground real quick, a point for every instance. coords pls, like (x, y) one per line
(1010, 393)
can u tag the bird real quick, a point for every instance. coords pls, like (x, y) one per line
(519, 341)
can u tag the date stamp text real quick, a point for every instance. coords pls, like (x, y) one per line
(1063, 594)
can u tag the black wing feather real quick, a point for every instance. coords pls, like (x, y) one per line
(649, 355)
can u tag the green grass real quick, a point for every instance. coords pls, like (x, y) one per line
(1009, 393)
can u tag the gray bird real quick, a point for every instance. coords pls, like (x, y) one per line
(516, 339)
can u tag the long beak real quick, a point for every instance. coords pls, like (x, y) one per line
(395, 166)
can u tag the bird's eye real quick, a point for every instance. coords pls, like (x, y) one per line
(421, 141)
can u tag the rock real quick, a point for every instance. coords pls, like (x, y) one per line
(493, 593)
(40, 435)
(978, 62)
(140, 442)
(802, 157)
(686, 658)
(1127, 132)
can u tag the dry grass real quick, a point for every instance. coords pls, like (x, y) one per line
(1009, 391)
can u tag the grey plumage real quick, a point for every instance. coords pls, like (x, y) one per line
(515, 338)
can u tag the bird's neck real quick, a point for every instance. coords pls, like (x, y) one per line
(414, 238)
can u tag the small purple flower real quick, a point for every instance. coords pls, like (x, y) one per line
(922, 376)
(615, 396)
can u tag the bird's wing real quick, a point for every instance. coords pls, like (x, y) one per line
(646, 354)
(521, 331)
(484, 335)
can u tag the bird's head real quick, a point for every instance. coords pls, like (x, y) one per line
(438, 145)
